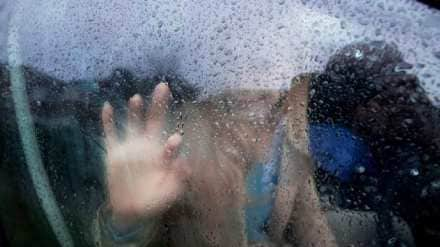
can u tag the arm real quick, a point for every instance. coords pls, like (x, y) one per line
(309, 221)
(297, 206)
(108, 232)
(297, 215)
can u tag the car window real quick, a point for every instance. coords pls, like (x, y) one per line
(352, 86)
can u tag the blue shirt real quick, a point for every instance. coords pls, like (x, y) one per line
(338, 151)
(335, 149)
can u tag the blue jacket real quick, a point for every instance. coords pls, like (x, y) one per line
(335, 149)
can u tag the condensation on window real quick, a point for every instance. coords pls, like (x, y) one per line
(353, 86)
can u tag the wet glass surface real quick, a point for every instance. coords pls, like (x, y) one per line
(335, 99)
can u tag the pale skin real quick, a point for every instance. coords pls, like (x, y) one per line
(143, 161)
(147, 176)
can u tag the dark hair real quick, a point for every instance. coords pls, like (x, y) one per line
(431, 3)
(363, 89)
(54, 101)
(351, 77)
(402, 127)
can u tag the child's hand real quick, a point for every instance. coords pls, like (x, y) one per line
(145, 175)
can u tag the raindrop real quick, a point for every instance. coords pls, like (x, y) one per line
(358, 54)
(343, 24)
(281, 26)
(392, 241)
(364, 21)
(378, 32)
(414, 172)
(435, 185)
(360, 169)
(408, 121)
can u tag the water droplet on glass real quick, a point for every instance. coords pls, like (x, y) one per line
(392, 241)
(414, 172)
(358, 54)
(360, 169)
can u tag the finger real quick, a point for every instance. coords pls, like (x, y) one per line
(157, 111)
(108, 124)
(182, 168)
(171, 149)
(135, 105)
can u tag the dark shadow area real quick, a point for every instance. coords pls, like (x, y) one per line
(431, 3)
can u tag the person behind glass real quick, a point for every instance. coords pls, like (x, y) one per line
(401, 125)
(374, 130)
(240, 175)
